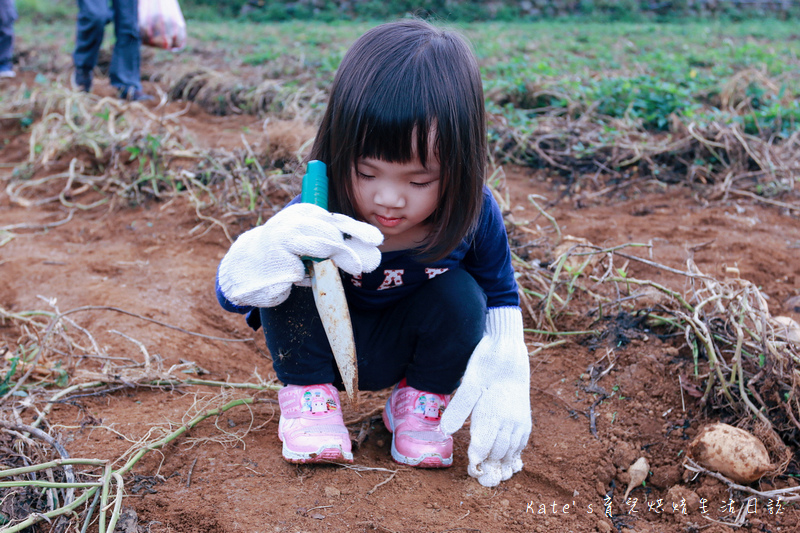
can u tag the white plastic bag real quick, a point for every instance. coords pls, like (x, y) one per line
(161, 24)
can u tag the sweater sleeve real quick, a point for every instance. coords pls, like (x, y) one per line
(489, 257)
(227, 304)
(253, 316)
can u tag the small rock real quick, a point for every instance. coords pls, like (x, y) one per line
(624, 455)
(793, 304)
(601, 490)
(127, 522)
(604, 527)
(665, 476)
(679, 495)
(332, 492)
(671, 351)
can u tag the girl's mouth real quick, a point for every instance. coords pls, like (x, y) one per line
(387, 221)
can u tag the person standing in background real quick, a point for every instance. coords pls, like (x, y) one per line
(93, 15)
(8, 15)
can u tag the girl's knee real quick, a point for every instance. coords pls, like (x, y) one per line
(458, 287)
(456, 296)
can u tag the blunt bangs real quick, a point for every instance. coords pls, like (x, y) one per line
(398, 85)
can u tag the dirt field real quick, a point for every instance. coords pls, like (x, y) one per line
(599, 401)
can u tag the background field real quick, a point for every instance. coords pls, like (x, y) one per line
(648, 173)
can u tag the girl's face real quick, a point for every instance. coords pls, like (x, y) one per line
(397, 198)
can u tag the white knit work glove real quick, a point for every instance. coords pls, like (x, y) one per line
(264, 262)
(496, 390)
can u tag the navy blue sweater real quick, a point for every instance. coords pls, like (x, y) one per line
(484, 254)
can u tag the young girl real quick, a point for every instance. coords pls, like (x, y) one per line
(427, 268)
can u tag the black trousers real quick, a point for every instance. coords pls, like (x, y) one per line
(427, 338)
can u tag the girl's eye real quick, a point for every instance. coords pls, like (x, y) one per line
(363, 176)
(423, 185)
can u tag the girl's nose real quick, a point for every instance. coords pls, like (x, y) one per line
(390, 197)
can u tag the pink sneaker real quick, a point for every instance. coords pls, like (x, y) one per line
(311, 426)
(413, 418)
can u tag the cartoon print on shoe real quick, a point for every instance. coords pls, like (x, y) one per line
(429, 406)
(311, 425)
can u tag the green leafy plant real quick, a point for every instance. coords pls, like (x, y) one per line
(151, 166)
(6, 384)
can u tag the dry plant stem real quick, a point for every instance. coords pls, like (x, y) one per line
(181, 430)
(86, 186)
(546, 347)
(117, 502)
(384, 482)
(210, 383)
(135, 315)
(38, 517)
(90, 511)
(141, 347)
(38, 226)
(792, 492)
(39, 434)
(701, 330)
(364, 417)
(562, 333)
(104, 496)
(526, 302)
(738, 361)
(749, 194)
(189, 475)
(656, 286)
(50, 464)
(532, 199)
(197, 205)
(662, 267)
(253, 157)
(548, 302)
(50, 484)
(60, 394)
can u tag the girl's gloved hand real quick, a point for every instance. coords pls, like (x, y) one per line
(264, 262)
(496, 390)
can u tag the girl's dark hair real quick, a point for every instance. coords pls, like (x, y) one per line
(399, 83)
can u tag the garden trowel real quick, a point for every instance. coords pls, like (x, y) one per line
(328, 291)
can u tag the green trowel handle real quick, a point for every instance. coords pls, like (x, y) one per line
(315, 189)
(315, 185)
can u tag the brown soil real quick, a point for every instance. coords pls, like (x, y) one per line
(227, 474)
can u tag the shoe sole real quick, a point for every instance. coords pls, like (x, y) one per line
(426, 460)
(325, 454)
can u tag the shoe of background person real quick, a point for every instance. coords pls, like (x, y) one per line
(311, 425)
(7, 73)
(132, 94)
(413, 418)
(81, 80)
